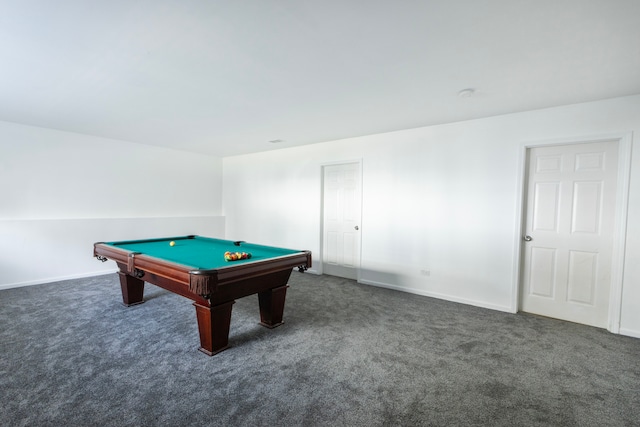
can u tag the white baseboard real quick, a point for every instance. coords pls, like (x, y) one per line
(629, 333)
(445, 297)
(57, 279)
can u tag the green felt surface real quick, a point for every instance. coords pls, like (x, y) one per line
(200, 252)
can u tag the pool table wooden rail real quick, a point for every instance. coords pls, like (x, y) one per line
(202, 282)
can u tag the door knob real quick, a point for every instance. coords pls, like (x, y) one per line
(528, 238)
(356, 227)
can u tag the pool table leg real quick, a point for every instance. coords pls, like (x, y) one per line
(132, 289)
(272, 306)
(213, 326)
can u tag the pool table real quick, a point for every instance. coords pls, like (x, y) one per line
(196, 268)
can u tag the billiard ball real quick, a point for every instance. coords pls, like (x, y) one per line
(172, 243)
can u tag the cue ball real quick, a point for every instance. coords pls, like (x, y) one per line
(172, 243)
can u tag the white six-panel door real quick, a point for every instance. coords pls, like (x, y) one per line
(341, 220)
(570, 208)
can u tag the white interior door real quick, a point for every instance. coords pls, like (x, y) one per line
(341, 220)
(570, 209)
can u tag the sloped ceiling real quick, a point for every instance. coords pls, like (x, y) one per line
(226, 77)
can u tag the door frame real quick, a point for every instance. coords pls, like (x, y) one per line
(625, 141)
(320, 266)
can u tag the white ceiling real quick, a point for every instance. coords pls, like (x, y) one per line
(226, 77)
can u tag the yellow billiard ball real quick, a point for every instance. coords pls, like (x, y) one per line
(172, 243)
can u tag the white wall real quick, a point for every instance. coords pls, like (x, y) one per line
(60, 192)
(440, 198)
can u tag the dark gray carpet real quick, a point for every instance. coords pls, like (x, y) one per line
(347, 355)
